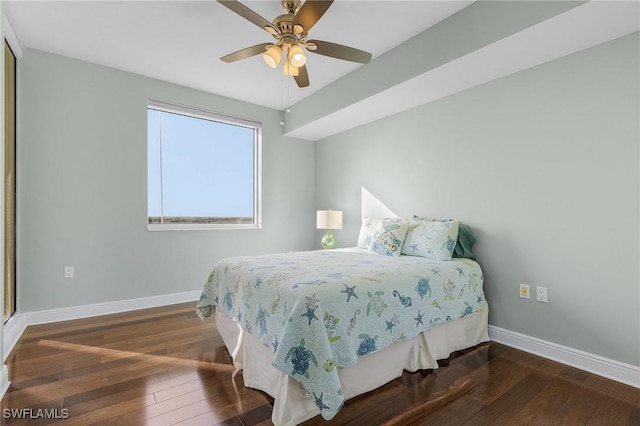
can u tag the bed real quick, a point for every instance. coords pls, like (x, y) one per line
(313, 329)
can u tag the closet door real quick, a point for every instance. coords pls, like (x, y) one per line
(9, 182)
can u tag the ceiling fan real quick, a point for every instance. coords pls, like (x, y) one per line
(291, 31)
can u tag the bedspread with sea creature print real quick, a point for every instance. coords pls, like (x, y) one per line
(318, 311)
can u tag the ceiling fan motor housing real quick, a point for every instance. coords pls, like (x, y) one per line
(284, 23)
(291, 6)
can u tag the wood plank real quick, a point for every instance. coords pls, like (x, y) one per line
(504, 408)
(368, 409)
(585, 400)
(567, 416)
(612, 411)
(541, 408)
(634, 418)
(497, 377)
(458, 412)
(91, 416)
(624, 392)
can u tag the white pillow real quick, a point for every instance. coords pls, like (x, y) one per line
(431, 239)
(388, 237)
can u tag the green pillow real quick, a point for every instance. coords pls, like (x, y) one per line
(466, 239)
(465, 242)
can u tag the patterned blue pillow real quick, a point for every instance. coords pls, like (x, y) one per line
(388, 237)
(369, 227)
(431, 239)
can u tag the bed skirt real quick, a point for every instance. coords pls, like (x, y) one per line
(292, 404)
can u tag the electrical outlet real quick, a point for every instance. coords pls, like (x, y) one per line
(524, 291)
(541, 294)
(68, 271)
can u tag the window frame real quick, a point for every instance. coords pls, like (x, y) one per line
(198, 113)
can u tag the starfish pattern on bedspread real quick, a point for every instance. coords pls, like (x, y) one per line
(350, 291)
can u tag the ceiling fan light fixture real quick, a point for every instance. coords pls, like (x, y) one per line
(290, 31)
(289, 70)
(297, 57)
(272, 56)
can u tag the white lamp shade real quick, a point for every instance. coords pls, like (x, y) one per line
(297, 57)
(289, 70)
(329, 219)
(272, 56)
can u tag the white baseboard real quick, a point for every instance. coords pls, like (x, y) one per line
(16, 325)
(605, 367)
(4, 380)
(12, 331)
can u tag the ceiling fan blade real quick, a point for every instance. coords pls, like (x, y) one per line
(246, 53)
(310, 12)
(248, 14)
(340, 51)
(302, 79)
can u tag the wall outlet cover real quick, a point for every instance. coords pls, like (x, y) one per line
(541, 294)
(524, 291)
(68, 271)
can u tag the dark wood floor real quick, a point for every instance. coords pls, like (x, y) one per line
(164, 366)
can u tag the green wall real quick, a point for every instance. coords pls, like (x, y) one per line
(82, 189)
(544, 166)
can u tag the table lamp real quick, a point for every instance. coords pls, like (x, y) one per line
(328, 219)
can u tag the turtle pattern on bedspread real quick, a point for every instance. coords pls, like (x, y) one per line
(318, 311)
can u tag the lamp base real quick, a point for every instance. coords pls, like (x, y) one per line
(328, 241)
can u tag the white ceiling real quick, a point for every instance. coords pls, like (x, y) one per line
(181, 42)
(580, 28)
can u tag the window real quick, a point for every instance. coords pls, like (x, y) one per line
(203, 169)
